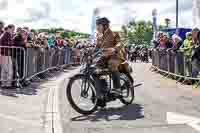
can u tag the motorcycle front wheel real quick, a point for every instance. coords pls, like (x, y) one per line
(86, 93)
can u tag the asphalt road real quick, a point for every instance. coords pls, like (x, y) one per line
(155, 97)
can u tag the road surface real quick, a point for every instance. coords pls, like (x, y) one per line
(157, 101)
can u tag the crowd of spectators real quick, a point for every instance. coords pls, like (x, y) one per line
(164, 42)
(24, 37)
(190, 47)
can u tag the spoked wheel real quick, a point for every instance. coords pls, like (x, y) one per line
(128, 93)
(81, 95)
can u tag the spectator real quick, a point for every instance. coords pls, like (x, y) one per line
(196, 52)
(155, 44)
(44, 42)
(68, 42)
(71, 43)
(37, 43)
(187, 48)
(54, 40)
(58, 42)
(177, 43)
(18, 55)
(51, 41)
(168, 42)
(162, 45)
(1, 28)
(6, 61)
(27, 29)
(30, 37)
(67, 52)
(6, 39)
(5, 29)
(187, 44)
(20, 39)
(41, 41)
(195, 32)
(176, 36)
(158, 36)
(18, 29)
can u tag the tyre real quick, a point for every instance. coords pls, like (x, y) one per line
(128, 93)
(86, 88)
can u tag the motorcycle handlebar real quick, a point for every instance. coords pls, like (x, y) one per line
(97, 53)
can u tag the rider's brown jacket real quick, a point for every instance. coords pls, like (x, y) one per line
(111, 40)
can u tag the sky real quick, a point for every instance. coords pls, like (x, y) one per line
(77, 14)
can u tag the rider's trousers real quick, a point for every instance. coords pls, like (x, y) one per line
(101, 85)
(116, 79)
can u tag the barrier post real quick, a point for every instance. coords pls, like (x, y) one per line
(172, 62)
(176, 63)
(168, 61)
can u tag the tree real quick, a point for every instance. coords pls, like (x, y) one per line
(137, 32)
(167, 22)
(64, 33)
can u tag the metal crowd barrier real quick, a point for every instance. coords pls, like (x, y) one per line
(173, 63)
(41, 60)
(17, 63)
(76, 55)
(12, 63)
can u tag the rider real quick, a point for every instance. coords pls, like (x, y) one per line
(108, 40)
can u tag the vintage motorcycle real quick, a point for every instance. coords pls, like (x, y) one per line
(83, 85)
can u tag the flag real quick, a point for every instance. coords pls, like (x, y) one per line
(154, 14)
(93, 26)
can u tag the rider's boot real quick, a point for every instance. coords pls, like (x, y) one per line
(100, 95)
(101, 103)
(116, 83)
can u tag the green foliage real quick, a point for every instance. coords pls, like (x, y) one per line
(64, 33)
(70, 34)
(51, 30)
(137, 32)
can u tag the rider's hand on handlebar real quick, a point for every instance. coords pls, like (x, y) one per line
(109, 51)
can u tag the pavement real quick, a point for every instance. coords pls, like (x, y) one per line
(157, 100)
(29, 111)
(161, 106)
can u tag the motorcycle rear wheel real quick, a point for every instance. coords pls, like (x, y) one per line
(128, 99)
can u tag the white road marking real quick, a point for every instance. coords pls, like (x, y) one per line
(14, 118)
(175, 118)
(57, 120)
(49, 115)
(53, 121)
(52, 116)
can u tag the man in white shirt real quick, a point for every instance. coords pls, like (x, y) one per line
(176, 37)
